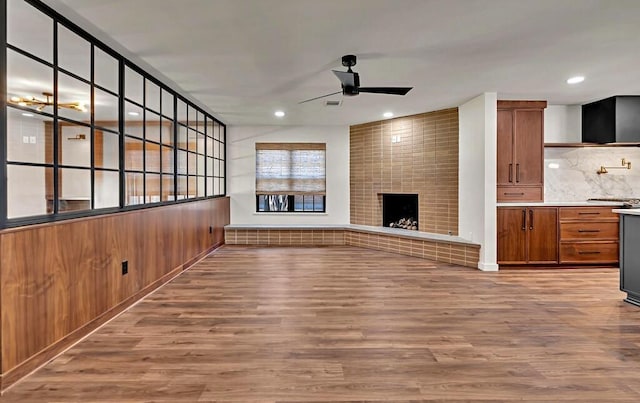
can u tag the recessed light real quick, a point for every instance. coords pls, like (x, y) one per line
(388, 114)
(29, 115)
(133, 113)
(575, 80)
(279, 114)
(553, 165)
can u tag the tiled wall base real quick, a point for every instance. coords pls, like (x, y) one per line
(284, 237)
(441, 251)
(463, 255)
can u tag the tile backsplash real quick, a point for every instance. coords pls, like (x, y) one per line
(570, 173)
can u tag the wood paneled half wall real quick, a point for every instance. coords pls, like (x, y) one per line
(60, 281)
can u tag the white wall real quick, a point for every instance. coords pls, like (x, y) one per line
(563, 124)
(241, 166)
(477, 176)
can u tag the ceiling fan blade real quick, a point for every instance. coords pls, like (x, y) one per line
(386, 90)
(322, 96)
(346, 78)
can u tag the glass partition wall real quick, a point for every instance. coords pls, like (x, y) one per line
(85, 131)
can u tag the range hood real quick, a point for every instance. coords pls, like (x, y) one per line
(612, 120)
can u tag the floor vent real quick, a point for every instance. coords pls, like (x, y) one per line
(332, 103)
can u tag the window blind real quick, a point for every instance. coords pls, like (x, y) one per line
(290, 168)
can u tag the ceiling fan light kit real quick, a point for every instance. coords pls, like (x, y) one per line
(350, 81)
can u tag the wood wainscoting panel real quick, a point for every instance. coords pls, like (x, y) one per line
(58, 278)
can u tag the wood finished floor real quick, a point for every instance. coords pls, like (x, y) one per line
(348, 324)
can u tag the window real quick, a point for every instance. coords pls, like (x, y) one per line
(88, 132)
(290, 177)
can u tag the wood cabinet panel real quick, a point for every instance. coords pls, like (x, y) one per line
(528, 147)
(589, 235)
(505, 148)
(527, 235)
(543, 235)
(589, 252)
(589, 230)
(519, 193)
(588, 213)
(512, 235)
(520, 149)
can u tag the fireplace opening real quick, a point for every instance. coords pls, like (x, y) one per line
(400, 211)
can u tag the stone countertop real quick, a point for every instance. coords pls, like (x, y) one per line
(630, 211)
(562, 204)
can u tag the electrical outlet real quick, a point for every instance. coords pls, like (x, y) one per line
(32, 139)
(25, 139)
(125, 267)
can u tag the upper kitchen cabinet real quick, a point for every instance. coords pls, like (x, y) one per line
(520, 173)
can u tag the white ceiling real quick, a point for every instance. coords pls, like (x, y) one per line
(244, 59)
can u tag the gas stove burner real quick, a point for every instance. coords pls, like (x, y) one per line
(627, 202)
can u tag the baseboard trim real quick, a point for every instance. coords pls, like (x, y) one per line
(46, 355)
(487, 266)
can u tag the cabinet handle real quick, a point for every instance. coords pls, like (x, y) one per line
(589, 252)
(589, 213)
(530, 219)
(514, 194)
(510, 173)
(588, 230)
(517, 173)
(524, 220)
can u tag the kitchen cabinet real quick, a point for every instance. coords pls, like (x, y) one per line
(527, 235)
(588, 235)
(520, 150)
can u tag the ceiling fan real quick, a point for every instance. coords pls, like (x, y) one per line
(350, 81)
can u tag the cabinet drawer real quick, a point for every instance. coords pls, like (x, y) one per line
(589, 230)
(589, 252)
(519, 193)
(588, 213)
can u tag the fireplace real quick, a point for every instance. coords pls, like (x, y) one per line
(400, 211)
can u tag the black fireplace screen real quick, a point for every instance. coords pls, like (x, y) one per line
(400, 211)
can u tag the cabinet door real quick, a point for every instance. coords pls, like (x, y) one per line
(529, 142)
(542, 228)
(512, 234)
(505, 147)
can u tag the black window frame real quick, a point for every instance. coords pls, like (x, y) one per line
(291, 208)
(122, 61)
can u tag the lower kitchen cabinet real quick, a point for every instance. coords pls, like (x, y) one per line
(527, 235)
(589, 235)
(557, 236)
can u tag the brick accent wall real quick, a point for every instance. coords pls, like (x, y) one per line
(424, 162)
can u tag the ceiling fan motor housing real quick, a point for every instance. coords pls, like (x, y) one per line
(349, 60)
(349, 90)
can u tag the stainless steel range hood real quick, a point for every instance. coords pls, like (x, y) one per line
(612, 120)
